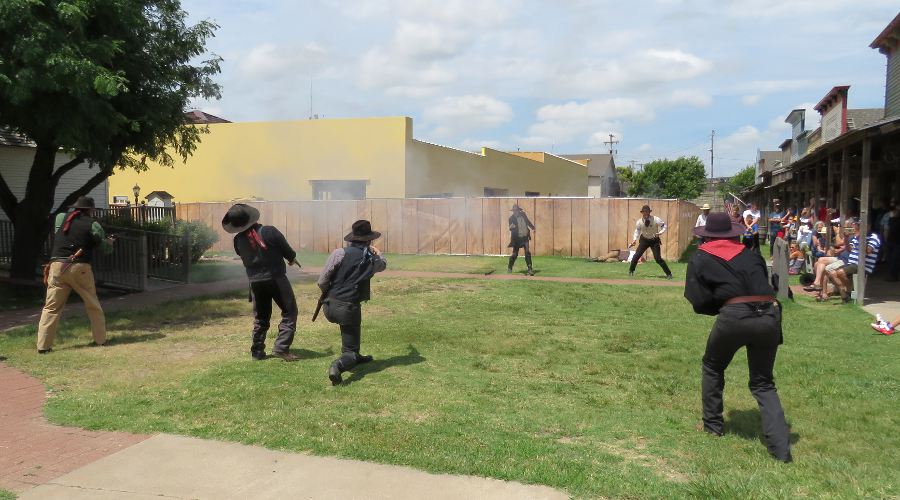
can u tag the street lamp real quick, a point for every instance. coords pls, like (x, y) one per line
(137, 191)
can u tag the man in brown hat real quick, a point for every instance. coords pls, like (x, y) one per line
(264, 250)
(77, 236)
(648, 229)
(345, 285)
(519, 235)
(730, 281)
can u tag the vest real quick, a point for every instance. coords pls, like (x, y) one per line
(352, 279)
(649, 232)
(79, 236)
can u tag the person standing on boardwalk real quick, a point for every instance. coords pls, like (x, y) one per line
(264, 250)
(76, 238)
(520, 229)
(647, 230)
(728, 280)
(345, 285)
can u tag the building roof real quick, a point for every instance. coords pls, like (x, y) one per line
(159, 194)
(857, 118)
(786, 144)
(832, 96)
(199, 117)
(10, 138)
(597, 163)
(795, 116)
(888, 39)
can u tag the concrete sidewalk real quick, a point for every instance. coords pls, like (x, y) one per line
(181, 467)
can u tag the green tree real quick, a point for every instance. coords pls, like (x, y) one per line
(683, 178)
(106, 81)
(741, 181)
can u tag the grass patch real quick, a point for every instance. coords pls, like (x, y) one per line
(209, 271)
(573, 386)
(7, 495)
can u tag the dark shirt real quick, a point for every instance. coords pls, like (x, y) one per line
(722, 270)
(264, 264)
(85, 233)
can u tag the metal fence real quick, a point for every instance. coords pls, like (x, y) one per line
(125, 267)
(168, 256)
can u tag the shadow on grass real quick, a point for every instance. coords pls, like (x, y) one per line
(308, 354)
(360, 371)
(122, 340)
(748, 425)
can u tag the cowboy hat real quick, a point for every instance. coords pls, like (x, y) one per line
(647, 208)
(719, 225)
(362, 231)
(704, 207)
(84, 202)
(239, 218)
(515, 207)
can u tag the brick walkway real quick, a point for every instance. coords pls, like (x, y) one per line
(33, 451)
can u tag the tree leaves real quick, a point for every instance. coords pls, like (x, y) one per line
(683, 178)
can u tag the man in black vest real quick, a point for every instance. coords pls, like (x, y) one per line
(519, 235)
(77, 235)
(345, 285)
(728, 280)
(263, 249)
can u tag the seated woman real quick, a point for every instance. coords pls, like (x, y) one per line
(796, 259)
(819, 243)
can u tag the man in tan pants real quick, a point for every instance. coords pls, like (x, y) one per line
(77, 236)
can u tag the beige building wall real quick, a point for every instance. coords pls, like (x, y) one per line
(439, 170)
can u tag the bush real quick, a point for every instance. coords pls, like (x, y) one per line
(202, 237)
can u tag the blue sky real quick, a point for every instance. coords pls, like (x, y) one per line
(552, 76)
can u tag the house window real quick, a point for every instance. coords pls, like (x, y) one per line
(532, 194)
(490, 192)
(339, 190)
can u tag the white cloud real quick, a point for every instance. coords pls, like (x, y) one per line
(690, 97)
(563, 123)
(268, 60)
(381, 70)
(778, 8)
(469, 112)
(597, 139)
(644, 147)
(751, 100)
(476, 145)
(428, 42)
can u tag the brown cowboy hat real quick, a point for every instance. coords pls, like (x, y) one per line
(239, 218)
(362, 231)
(719, 225)
(84, 202)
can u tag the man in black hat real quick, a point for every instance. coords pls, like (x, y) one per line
(727, 279)
(519, 235)
(648, 229)
(77, 235)
(345, 285)
(264, 250)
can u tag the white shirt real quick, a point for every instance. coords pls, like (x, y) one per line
(701, 220)
(753, 213)
(657, 226)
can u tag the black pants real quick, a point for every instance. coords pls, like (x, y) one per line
(758, 327)
(516, 245)
(349, 316)
(263, 293)
(653, 245)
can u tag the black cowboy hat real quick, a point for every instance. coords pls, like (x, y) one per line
(719, 225)
(84, 202)
(647, 208)
(515, 207)
(239, 218)
(362, 231)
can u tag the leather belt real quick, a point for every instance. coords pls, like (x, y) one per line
(750, 298)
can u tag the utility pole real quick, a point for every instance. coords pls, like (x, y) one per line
(712, 142)
(611, 142)
(632, 165)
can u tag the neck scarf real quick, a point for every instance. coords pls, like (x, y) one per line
(68, 224)
(255, 239)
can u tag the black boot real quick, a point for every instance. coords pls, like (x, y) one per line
(334, 373)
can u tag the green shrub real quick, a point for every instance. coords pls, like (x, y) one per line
(202, 237)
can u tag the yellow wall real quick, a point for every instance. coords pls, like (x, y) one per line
(433, 169)
(276, 161)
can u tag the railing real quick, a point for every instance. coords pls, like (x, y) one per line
(142, 214)
(126, 266)
(168, 256)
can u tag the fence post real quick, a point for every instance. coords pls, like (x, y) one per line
(186, 242)
(142, 261)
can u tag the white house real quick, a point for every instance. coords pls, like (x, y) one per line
(159, 199)
(16, 157)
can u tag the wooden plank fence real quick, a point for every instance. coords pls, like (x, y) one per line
(571, 227)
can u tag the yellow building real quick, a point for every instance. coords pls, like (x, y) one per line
(347, 159)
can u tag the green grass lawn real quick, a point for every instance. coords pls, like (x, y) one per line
(7, 495)
(593, 389)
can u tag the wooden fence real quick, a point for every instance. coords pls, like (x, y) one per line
(571, 227)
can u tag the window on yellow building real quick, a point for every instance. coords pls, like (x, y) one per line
(339, 190)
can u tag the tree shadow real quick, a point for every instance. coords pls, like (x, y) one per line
(360, 371)
(748, 425)
(122, 340)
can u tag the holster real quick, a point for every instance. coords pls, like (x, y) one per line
(46, 269)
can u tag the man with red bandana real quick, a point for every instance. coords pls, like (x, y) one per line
(727, 280)
(264, 250)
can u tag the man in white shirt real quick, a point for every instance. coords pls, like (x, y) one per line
(648, 229)
(753, 211)
(704, 213)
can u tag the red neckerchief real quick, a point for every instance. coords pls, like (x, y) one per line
(68, 223)
(255, 239)
(723, 249)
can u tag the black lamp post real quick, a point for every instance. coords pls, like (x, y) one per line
(137, 191)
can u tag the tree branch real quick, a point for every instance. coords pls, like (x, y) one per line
(8, 200)
(65, 168)
(93, 182)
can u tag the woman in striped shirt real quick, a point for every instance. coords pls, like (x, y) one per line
(841, 276)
